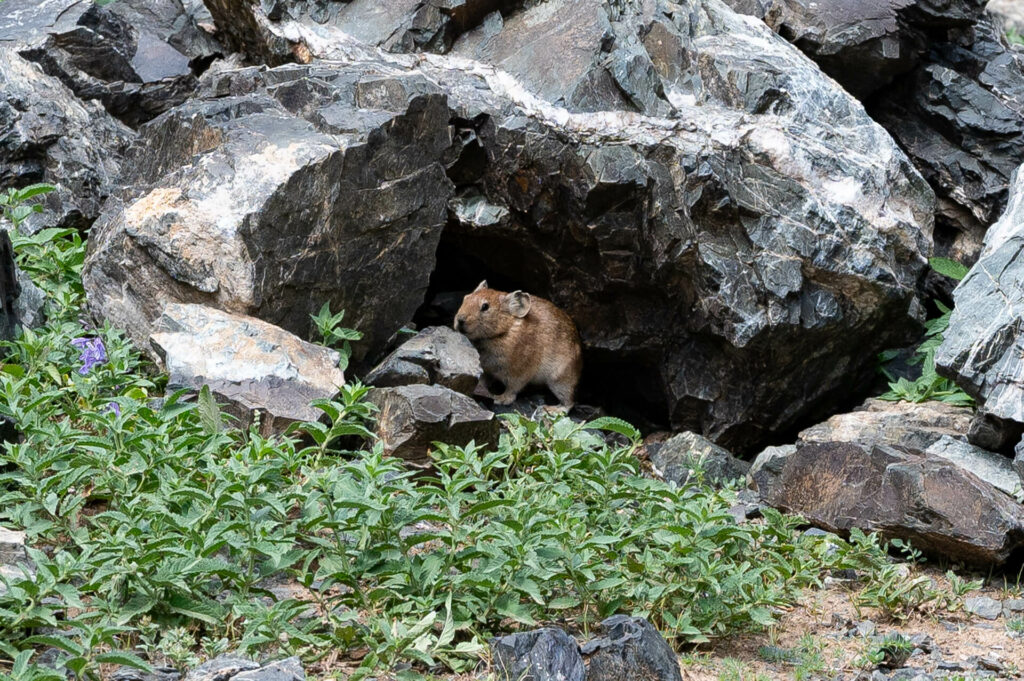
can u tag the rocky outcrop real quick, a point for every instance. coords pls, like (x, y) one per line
(676, 458)
(903, 424)
(756, 232)
(983, 348)
(413, 417)
(629, 648)
(540, 655)
(255, 366)
(940, 507)
(49, 135)
(435, 355)
(135, 56)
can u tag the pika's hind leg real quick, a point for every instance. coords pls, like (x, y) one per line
(564, 390)
(512, 389)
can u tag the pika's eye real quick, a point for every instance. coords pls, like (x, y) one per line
(485, 307)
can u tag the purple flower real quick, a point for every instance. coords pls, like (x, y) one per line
(93, 353)
(114, 407)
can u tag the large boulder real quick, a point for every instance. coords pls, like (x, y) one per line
(541, 655)
(134, 56)
(49, 135)
(254, 366)
(629, 648)
(915, 426)
(983, 347)
(940, 507)
(733, 257)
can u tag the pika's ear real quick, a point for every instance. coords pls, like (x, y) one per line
(518, 303)
(481, 286)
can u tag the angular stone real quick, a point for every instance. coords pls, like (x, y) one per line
(255, 366)
(629, 648)
(995, 469)
(221, 668)
(48, 135)
(983, 606)
(289, 669)
(541, 655)
(942, 509)
(413, 417)
(14, 558)
(993, 433)
(436, 354)
(676, 458)
(905, 424)
(983, 347)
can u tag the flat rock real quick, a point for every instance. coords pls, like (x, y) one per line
(983, 606)
(413, 417)
(676, 458)
(541, 655)
(221, 668)
(905, 424)
(253, 365)
(983, 347)
(629, 648)
(942, 509)
(995, 469)
(436, 354)
(289, 669)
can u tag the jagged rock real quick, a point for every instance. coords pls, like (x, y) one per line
(119, 55)
(541, 655)
(733, 267)
(221, 668)
(158, 674)
(993, 433)
(940, 508)
(676, 458)
(48, 135)
(289, 669)
(995, 469)
(629, 648)
(436, 354)
(413, 417)
(253, 365)
(983, 606)
(863, 44)
(960, 117)
(906, 424)
(983, 346)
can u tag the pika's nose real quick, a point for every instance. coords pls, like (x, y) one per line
(460, 324)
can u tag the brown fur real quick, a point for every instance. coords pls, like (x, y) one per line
(522, 339)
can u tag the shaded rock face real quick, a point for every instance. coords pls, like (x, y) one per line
(49, 135)
(983, 348)
(253, 365)
(276, 192)
(676, 458)
(436, 355)
(863, 44)
(10, 288)
(413, 417)
(733, 255)
(943, 509)
(135, 56)
(540, 655)
(629, 648)
(960, 117)
(903, 424)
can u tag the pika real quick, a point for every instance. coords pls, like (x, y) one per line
(522, 340)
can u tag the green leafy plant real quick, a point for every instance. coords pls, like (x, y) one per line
(892, 650)
(1014, 37)
(14, 203)
(334, 335)
(929, 385)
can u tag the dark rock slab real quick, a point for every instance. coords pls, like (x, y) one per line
(48, 135)
(541, 655)
(436, 354)
(629, 648)
(255, 366)
(676, 458)
(413, 417)
(221, 668)
(983, 348)
(289, 669)
(942, 509)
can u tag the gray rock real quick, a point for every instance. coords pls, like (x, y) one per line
(629, 648)
(983, 606)
(436, 354)
(132, 674)
(1013, 606)
(1018, 460)
(993, 433)
(939, 507)
(289, 669)
(28, 306)
(255, 366)
(995, 469)
(904, 424)
(14, 559)
(984, 344)
(413, 417)
(48, 135)
(677, 458)
(752, 234)
(541, 655)
(221, 668)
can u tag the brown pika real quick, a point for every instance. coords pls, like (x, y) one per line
(522, 340)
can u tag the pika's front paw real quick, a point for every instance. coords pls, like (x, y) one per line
(505, 399)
